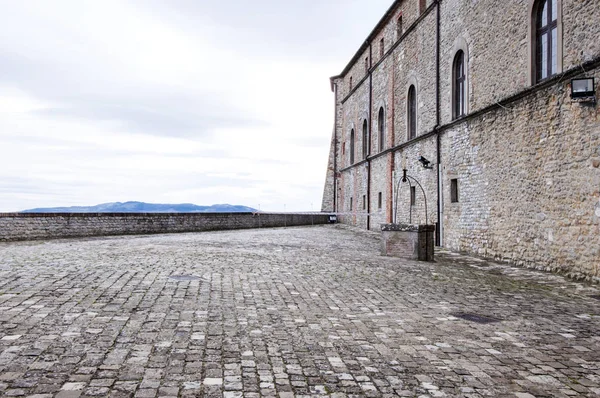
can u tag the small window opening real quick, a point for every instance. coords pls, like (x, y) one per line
(379, 200)
(365, 140)
(381, 48)
(454, 190)
(367, 65)
(350, 203)
(364, 202)
(352, 145)
(399, 28)
(350, 83)
(381, 125)
(413, 196)
(412, 113)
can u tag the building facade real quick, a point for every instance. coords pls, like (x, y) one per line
(482, 90)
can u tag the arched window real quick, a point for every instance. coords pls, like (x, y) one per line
(365, 140)
(411, 110)
(546, 39)
(459, 85)
(352, 140)
(381, 126)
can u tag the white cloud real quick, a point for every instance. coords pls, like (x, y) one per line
(178, 101)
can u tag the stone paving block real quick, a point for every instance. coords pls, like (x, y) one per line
(285, 312)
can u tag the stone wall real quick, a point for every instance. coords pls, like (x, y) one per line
(526, 158)
(32, 226)
(529, 183)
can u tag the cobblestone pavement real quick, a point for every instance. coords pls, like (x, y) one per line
(285, 312)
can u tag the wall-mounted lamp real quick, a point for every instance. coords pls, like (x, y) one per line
(426, 163)
(583, 90)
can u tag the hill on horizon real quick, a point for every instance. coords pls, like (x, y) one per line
(141, 207)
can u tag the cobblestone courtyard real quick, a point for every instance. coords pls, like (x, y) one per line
(285, 312)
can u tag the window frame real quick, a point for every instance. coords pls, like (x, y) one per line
(352, 145)
(381, 125)
(411, 113)
(551, 48)
(535, 9)
(454, 191)
(365, 139)
(459, 85)
(399, 26)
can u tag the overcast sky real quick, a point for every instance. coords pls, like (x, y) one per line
(171, 101)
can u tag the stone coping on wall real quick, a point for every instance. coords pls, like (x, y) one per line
(140, 215)
(407, 228)
(35, 226)
(165, 214)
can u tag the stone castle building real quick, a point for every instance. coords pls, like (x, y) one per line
(484, 90)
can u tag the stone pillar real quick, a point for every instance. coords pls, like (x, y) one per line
(414, 242)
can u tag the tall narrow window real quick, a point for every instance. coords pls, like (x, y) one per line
(459, 82)
(350, 203)
(367, 65)
(454, 190)
(381, 47)
(365, 140)
(412, 113)
(422, 6)
(399, 28)
(364, 202)
(352, 145)
(546, 39)
(350, 83)
(379, 200)
(381, 126)
(413, 196)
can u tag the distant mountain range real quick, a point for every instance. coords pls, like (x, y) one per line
(141, 207)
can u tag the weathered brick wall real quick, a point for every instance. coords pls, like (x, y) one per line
(415, 64)
(380, 177)
(31, 226)
(418, 44)
(426, 177)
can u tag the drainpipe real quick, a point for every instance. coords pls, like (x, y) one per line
(440, 228)
(335, 143)
(369, 135)
(393, 143)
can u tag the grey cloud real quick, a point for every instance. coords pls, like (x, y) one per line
(33, 185)
(290, 29)
(159, 116)
(311, 142)
(83, 150)
(94, 95)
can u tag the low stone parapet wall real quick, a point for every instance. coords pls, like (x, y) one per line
(34, 226)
